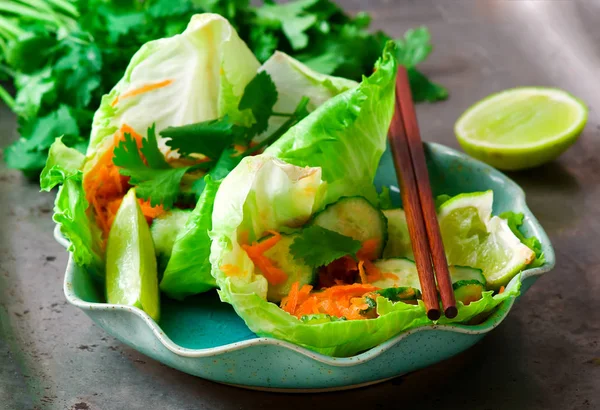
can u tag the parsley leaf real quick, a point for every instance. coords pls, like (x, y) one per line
(318, 246)
(160, 185)
(260, 96)
(209, 138)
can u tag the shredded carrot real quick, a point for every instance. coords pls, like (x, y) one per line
(501, 289)
(369, 249)
(271, 272)
(373, 273)
(141, 90)
(105, 187)
(339, 300)
(361, 272)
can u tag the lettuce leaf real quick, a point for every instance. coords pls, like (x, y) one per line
(515, 220)
(346, 136)
(188, 269)
(70, 213)
(186, 275)
(63, 162)
(203, 72)
(333, 152)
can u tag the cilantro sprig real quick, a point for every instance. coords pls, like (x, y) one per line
(62, 57)
(154, 179)
(317, 246)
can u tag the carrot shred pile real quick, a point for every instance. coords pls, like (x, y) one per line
(105, 187)
(340, 300)
(271, 272)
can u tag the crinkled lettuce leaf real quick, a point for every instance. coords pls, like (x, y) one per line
(70, 213)
(71, 207)
(262, 194)
(63, 162)
(188, 269)
(346, 136)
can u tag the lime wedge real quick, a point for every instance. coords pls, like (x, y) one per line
(131, 274)
(521, 127)
(472, 237)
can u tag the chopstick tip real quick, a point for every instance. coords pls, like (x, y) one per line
(433, 314)
(451, 312)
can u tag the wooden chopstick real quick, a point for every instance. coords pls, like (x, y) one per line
(423, 227)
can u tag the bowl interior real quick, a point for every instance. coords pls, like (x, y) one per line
(203, 321)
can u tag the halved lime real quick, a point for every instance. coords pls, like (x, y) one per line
(521, 127)
(131, 274)
(473, 237)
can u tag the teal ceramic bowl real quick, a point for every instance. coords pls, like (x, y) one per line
(205, 338)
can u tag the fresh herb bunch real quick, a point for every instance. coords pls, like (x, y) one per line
(62, 56)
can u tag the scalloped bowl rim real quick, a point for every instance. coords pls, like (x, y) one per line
(489, 324)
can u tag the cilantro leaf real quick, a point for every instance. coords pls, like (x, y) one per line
(423, 89)
(515, 220)
(209, 138)
(161, 186)
(293, 18)
(415, 47)
(34, 90)
(318, 246)
(260, 96)
(151, 152)
(228, 160)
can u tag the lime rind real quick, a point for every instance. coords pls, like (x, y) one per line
(549, 143)
(487, 243)
(482, 201)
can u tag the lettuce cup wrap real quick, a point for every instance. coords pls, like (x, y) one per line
(186, 111)
(299, 235)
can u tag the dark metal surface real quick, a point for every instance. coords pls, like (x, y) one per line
(545, 356)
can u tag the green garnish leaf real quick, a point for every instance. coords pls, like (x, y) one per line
(318, 246)
(293, 18)
(423, 89)
(159, 184)
(260, 95)
(209, 138)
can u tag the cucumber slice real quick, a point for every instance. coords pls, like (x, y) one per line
(468, 283)
(467, 291)
(357, 218)
(397, 272)
(465, 273)
(398, 243)
(296, 270)
(400, 294)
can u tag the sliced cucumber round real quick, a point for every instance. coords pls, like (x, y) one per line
(398, 243)
(468, 283)
(397, 272)
(400, 294)
(465, 273)
(296, 270)
(357, 218)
